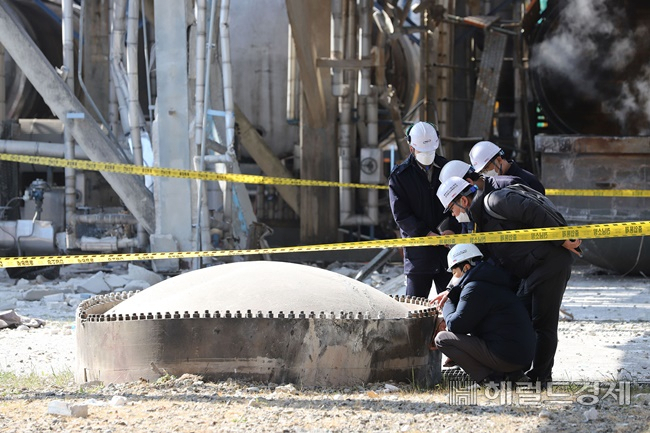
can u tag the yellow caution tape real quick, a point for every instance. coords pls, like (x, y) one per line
(600, 192)
(261, 180)
(139, 170)
(592, 231)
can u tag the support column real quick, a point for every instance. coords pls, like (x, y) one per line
(318, 148)
(173, 197)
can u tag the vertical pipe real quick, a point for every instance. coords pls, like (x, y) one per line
(112, 95)
(117, 53)
(132, 79)
(293, 83)
(199, 102)
(229, 105)
(68, 64)
(3, 96)
(202, 224)
(372, 116)
(365, 13)
(346, 195)
(134, 92)
(200, 10)
(425, 41)
(336, 45)
(146, 61)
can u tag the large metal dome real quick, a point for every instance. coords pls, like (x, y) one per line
(265, 321)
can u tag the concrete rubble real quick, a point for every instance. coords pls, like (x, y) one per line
(58, 407)
(65, 294)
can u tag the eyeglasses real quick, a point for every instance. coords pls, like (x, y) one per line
(486, 168)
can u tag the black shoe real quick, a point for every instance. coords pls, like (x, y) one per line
(455, 374)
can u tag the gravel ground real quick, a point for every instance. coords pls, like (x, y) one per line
(36, 370)
(187, 404)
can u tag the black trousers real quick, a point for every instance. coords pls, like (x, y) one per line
(542, 294)
(419, 285)
(473, 355)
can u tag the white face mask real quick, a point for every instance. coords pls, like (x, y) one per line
(425, 158)
(491, 173)
(463, 217)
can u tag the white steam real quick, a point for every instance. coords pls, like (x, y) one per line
(596, 49)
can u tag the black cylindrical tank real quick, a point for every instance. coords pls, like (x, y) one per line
(590, 67)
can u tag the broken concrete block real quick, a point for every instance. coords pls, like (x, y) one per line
(7, 301)
(58, 306)
(94, 284)
(115, 281)
(140, 273)
(56, 297)
(135, 285)
(39, 292)
(118, 400)
(58, 407)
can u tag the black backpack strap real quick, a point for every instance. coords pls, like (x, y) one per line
(489, 210)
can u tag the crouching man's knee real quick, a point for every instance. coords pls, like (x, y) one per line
(443, 338)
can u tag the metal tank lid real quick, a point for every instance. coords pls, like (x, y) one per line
(264, 286)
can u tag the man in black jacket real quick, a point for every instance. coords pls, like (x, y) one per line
(486, 183)
(543, 266)
(489, 159)
(412, 191)
(501, 336)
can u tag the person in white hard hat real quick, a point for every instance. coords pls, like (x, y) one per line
(543, 266)
(489, 333)
(484, 183)
(489, 159)
(417, 212)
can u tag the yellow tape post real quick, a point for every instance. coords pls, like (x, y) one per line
(592, 231)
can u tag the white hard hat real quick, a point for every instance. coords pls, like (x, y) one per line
(450, 189)
(462, 253)
(423, 137)
(482, 153)
(454, 168)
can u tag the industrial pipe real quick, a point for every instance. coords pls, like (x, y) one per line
(365, 14)
(136, 119)
(102, 218)
(132, 81)
(293, 81)
(68, 66)
(336, 45)
(37, 148)
(116, 107)
(204, 56)
(226, 66)
(120, 84)
(199, 100)
(109, 244)
(3, 96)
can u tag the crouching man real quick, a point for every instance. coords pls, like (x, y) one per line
(489, 333)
